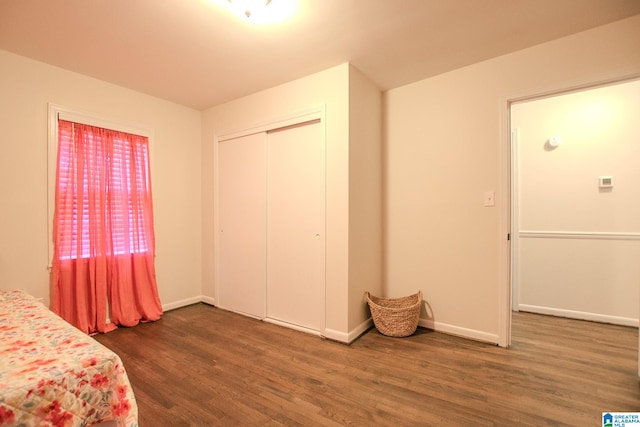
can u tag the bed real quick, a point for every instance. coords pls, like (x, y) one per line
(52, 374)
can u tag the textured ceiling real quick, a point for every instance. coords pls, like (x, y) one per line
(196, 53)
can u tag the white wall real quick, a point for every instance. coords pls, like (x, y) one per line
(582, 276)
(27, 87)
(445, 140)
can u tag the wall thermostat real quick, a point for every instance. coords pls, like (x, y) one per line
(605, 181)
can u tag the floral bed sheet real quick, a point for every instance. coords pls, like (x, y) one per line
(52, 374)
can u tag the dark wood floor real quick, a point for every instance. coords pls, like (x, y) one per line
(202, 366)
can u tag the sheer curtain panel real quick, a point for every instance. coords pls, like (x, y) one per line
(103, 259)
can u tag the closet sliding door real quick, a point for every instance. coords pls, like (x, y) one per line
(271, 261)
(296, 225)
(242, 224)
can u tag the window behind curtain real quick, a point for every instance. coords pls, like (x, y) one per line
(103, 239)
(101, 170)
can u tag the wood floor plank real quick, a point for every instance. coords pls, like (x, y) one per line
(202, 366)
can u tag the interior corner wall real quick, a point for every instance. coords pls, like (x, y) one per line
(444, 140)
(365, 194)
(565, 266)
(328, 88)
(27, 86)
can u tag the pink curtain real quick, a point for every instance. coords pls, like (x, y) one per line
(103, 263)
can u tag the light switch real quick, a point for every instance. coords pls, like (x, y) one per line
(489, 198)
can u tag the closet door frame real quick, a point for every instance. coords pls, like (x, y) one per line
(295, 118)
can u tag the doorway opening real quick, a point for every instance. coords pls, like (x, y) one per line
(575, 205)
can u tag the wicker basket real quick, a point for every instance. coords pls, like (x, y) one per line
(395, 317)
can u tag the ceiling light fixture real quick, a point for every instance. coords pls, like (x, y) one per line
(248, 7)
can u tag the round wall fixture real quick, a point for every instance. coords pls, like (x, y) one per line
(554, 141)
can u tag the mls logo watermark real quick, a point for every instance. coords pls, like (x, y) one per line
(620, 419)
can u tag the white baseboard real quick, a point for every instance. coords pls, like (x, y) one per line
(580, 315)
(334, 335)
(459, 331)
(181, 303)
(351, 336)
(208, 300)
(360, 329)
